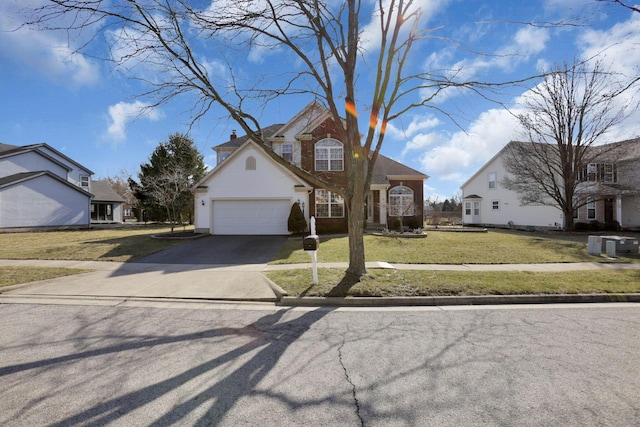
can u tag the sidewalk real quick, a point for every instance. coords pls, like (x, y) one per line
(112, 283)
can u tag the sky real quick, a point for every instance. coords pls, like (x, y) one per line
(93, 113)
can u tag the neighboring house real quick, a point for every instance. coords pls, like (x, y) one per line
(107, 206)
(248, 192)
(609, 186)
(42, 188)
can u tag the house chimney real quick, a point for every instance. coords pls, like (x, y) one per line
(233, 134)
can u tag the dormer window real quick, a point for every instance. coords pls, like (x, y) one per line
(287, 152)
(329, 155)
(84, 181)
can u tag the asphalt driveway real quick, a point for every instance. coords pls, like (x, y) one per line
(219, 250)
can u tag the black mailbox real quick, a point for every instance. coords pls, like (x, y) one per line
(310, 243)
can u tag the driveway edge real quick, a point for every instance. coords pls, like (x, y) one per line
(459, 300)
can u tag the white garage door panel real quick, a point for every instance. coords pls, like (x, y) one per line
(250, 216)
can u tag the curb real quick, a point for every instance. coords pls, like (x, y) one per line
(461, 300)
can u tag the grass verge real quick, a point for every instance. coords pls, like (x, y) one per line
(407, 283)
(15, 275)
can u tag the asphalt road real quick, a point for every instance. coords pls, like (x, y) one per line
(260, 365)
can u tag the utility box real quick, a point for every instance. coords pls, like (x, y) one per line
(623, 245)
(594, 245)
(310, 243)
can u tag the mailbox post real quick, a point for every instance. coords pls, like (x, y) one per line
(310, 244)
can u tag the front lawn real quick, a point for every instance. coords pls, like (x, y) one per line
(112, 244)
(493, 247)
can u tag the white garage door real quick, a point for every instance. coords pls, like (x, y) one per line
(250, 216)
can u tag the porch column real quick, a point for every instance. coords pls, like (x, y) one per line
(383, 207)
(619, 209)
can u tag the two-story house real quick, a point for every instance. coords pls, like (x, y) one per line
(248, 192)
(42, 188)
(608, 189)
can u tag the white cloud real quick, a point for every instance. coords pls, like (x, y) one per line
(123, 113)
(618, 46)
(47, 53)
(371, 32)
(457, 156)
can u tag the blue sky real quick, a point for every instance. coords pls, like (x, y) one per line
(91, 112)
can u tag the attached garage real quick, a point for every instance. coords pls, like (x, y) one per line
(248, 193)
(263, 216)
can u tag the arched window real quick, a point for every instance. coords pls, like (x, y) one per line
(401, 201)
(250, 163)
(329, 155)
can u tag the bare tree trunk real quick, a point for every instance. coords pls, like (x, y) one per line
(356, 194)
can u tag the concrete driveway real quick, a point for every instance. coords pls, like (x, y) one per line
(212, 268)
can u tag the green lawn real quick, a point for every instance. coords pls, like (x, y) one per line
(493, 247)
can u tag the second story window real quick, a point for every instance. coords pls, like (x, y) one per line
(329, 155)
(492, 178)
(287, 152)
(84, 181)
(599, 172)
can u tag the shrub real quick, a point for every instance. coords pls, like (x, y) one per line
(412, 222)
(296, 222)
(612, 225)
(581, 226)
(595, 225)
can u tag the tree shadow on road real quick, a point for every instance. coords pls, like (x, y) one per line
(269, 338)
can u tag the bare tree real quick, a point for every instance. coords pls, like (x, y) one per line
(168, 190)
(629, 6)
(326, 39)
(566, 116)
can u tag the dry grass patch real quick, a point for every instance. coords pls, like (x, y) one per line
(113, 244)
(493, 247)
(16, 275)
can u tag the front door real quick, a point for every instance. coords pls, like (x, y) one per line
(609, 206)
(370, 204)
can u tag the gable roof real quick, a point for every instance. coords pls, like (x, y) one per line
(7, 150)
(103, 192)
(18, 178)
(235, 143)
(248, 142)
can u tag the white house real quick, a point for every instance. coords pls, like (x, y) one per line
(610, 186)
(42, 188)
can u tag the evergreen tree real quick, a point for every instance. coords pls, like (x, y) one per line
(296, 222)
(165, 182)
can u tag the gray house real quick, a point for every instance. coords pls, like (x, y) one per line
(42, 188)
(107, 205)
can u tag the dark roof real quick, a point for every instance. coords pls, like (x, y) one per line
(103, 192)
(7, 147)
(10, 150)
(386, 167)
(234, 143)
